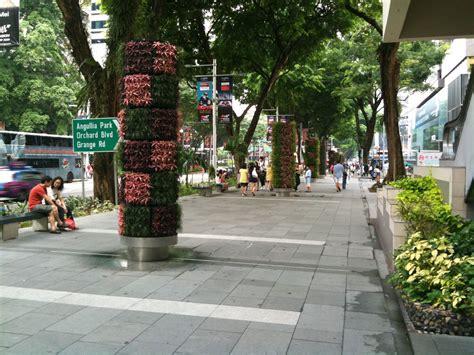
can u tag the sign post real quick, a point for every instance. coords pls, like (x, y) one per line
(95, 135)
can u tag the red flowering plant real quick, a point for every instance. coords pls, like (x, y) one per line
(139, 57)
(165, 124)
(137, 188)
(165, 58)
(163, 156)
(137, 155)
(165, 220)
(283, 161)
(137, 90)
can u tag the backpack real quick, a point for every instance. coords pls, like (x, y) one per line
(254, 173)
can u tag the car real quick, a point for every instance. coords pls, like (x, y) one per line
(17, 183)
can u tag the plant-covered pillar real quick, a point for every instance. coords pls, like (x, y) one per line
(312, 156)
(149, 214)
(283, 156)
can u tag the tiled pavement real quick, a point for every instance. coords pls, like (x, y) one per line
(250, 275)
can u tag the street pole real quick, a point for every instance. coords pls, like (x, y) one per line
(82, 176)
(214, 114)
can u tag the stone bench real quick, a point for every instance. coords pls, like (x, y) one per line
(9, 225)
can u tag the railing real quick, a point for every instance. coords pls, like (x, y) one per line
(453, 129)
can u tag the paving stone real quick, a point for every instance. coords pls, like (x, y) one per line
(145, 348)
(334, 251)
(30, 323)
(361, 253)
(264, 274)
(296, 278)
(250, 291)
(310, 347)
(7, 312)
(251, 342)
(115, 333)
(224, 325)
(333, 260)
(367, 342)
(318, 335)
(26, 303)
(137, 317)
(171, 329)
(81, 347)
(218, 285)
(212, 297)
(67, 285)
(143, 286)
(453, 344)
(43, 342)
(84, 321)
(282, 290)
(59, 308)
(8, 339)
(209, 341)
(176, 290)
(271, 326)
(367, 321)
(322, 317)
(196, 275)
(364, 283)
(367, 302)
(362, 263)
(244, 301)
(284, 303)
(326, 297)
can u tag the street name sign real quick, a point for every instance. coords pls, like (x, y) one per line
(95, 135)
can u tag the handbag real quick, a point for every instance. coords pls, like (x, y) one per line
(70, 223)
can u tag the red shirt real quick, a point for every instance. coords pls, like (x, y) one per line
(36, 196)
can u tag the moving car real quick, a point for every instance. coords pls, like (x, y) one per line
(17, 183)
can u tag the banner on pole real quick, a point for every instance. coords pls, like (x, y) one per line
(270, 121)
(204, 98)
(9, 27)
(224, 94)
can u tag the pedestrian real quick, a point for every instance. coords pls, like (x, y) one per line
(253, 178)
(307, 178)
(344, 177)
(89, 171)
(297, 178)
(261, 176)
(243, 179)
(35, 204)
(338, 174)
(57, 187)
(269, 177)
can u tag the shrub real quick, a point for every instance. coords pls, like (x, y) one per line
(311, 157)
(164, 188)
(88, 205)
(428, 271)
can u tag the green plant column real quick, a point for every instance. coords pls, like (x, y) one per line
(148, 149)
(283, 155)
(311, 156)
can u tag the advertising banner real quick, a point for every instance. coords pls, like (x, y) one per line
(305, 134)
(9, 27)
(271, 119)
(428, 158)
(204, 98)
(224, 92)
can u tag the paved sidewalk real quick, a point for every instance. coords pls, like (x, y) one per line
(261, 274)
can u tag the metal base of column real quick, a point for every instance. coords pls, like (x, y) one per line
(148, 249)
(282, 192)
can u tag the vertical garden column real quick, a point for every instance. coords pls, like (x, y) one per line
(283, 157)
(311, 158)
(149, 215)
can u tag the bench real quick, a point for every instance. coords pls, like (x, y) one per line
(9, 225)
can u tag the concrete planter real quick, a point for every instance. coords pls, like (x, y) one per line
(205, 191)
(148, 249)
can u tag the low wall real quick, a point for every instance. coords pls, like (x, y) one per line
(452, 182)
(389, 226)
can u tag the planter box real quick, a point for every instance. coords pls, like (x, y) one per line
(282, 192)
(204, 191)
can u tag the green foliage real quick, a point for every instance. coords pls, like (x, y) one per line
(283, 160)
(38, 84)
(436, 264)
(137, 221)
(164, 189)
(138, 124)
(311, 157)
(428, 271)
(88, 205)
(186, 190)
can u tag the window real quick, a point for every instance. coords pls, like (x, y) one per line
(31, 140)
(95, 6)
(42, 163)
(97, 25)
(96, 41)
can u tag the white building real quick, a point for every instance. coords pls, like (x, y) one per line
(97, 28)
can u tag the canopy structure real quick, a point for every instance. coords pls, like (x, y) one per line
(405, 20)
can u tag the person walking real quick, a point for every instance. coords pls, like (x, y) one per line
(344, 177)
(243, 179)
(269, 177)
(338, 174)
(297, 178)
(35, 204)
(307, 178)
(253, 179)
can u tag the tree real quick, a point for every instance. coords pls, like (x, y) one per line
(389, 63)
(38, 83)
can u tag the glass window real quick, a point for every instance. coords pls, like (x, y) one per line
(96, 25)
(95, 6)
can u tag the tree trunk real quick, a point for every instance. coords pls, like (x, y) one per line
(390, 75)
(322, 156)
(369, 137)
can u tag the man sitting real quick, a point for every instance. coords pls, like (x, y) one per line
(35, 199)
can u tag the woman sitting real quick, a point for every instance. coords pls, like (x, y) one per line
(57, 188)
